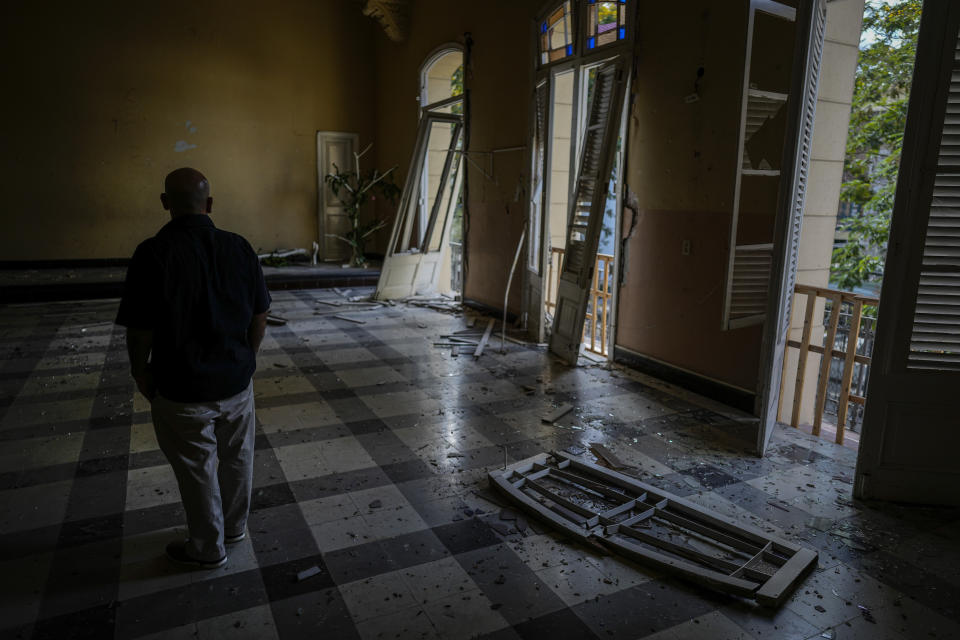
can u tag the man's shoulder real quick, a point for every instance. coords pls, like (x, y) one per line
(146, 249)
(235, 239)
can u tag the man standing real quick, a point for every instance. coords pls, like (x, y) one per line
(195, 307)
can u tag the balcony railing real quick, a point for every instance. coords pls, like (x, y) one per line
(599, 301)
(850, 336)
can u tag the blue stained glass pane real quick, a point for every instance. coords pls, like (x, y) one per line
(543, 28)
(591, 43)
(569, 49)
(591, 1)
(623, 32)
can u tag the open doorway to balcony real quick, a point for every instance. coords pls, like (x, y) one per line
(583, 76)
(847, 222)
(569, 125)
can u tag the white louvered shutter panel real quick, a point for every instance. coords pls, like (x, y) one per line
(539, 173)
(589, 180)
(803, 161)
(935, 337)
(750, 268)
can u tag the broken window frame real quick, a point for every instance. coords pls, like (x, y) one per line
(406, 212)
(446, 103)
(768, 568)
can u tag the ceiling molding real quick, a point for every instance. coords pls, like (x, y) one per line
(393, 16)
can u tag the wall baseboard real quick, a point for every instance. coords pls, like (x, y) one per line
(78, 263)
(487, 309)
(706, 387)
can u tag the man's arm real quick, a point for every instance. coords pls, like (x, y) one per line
(139, 343)
(256, 331)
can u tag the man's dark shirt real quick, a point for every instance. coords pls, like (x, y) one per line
(197, 288)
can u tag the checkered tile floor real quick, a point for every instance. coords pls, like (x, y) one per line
(372, 453)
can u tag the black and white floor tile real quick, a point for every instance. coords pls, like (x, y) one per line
(372, 453)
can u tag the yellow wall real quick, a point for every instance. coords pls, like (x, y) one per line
(500, 85)
(98, 95)
(681, 163)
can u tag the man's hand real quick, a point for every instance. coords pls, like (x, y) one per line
(139, 343)
(256, 331)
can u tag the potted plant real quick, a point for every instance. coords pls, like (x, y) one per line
(354, 189)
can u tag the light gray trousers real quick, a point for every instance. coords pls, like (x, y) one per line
(210, 447)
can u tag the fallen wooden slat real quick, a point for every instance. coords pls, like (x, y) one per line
(332, 303)
(607, 456)
(349, 319)
(557, 413)
(276, 320)
(483, 341)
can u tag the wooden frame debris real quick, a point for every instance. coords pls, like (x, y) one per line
(608, 457)
(596, 505)
(557, 413)
(483, 341)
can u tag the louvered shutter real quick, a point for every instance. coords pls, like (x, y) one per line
(935, 336)
(790, 205)
(799, 186)
(538, 172)
(590, 183)
(586, 210)
(762, 121)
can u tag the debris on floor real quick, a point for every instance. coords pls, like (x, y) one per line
(557, 413)
(597, 506)
(308, 573)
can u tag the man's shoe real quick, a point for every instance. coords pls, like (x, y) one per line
(235, 539)
(177, 552)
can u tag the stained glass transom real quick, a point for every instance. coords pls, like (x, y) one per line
(556, 35)
(606, 22)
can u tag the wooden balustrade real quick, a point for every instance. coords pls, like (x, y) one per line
(597, 317)
(596, 321)
(849, 357)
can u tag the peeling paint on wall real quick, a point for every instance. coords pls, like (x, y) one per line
(183, 145)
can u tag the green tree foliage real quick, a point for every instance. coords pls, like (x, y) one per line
(877, 121)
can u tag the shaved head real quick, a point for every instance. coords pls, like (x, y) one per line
(186, 190)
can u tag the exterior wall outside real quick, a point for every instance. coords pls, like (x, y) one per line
(110, 97)
(840, 50)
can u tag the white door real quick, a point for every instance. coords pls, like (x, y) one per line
(333, 148)
(811, 25)
(413, 260)
(584, 223)
(911, 426)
